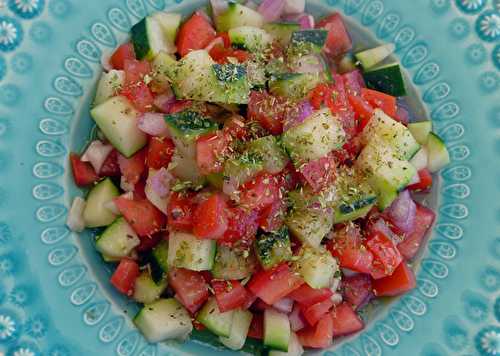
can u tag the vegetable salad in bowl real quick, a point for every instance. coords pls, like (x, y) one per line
(252, 176)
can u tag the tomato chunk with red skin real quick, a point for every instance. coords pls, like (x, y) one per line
(345, 320)
(139, 190)
(387, 103)
(272, 217)
(180, 105)
(306, 295)
(386, 255)
(83, 172)
(338, 102)
(160, 152)
(318, 95)
(319, 173)
(274, 284)
(135, 71)
(256, 330)
(210, 218)
(241, 228)
(319, 336)
(222, 54)
(139, 95)
(362, 109)
(148, 242)
(195, 33)
(400, 282)
(229, 295)
(267, 110)
(260, 192)
(356, 289)
(235, 127)
(180, 211)
(338, 40)
(315, 312)
(123, 279)
(190, 287)
(110, 167)
(132, 168)
(121, 54)
(143, 216)
(423, 221)
(425, 182)
(210, 151)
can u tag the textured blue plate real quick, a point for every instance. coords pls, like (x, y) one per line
(54, 298)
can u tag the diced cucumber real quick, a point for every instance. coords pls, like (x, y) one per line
(163, 320)
(187, 251)
(306, 198)
(184, 166)
(109, 85)
(317, 266)
(273, 248)
(216, 180)
(110, 259)
(282, 31)
(347, 64)
(117, 119)
(294, 348)
(243, 168)
(314, 138)
(146, 290)
(165, 69)
(397, 135)
(95, 213)
(187, 125)
(294, 86)
(118, 240)
(215, 321)
(371, 57)
(273, 156)
(307, 41)
(158, 261)
(437, 151)
(309, 225)
(239, 330)
(238, 15)
(276, 330)
(149, 40)
(420, 130)
(233, 263)
(420, 160)
(387, 79)
(250, 38)
(169, 23)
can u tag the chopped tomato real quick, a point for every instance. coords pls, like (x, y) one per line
(195, 33)
(315, 312)
(139, 190)
(121, 54)
(401, 281)
(318, 95)
(132, 168)
(180, 211)
(256, 330)
(386, 255)
(267, 110)
(425, 182)
(139, 95)
(260, 192)
(274, 284)
(135, 71)
(345, 320)
(160, 152)
(319, 336)
(190, 287)
(338, 102)
(150, 241)
(110, 167)
(210, 218)
(225, 38)
(229, 294)
(354, 82)
(362, 109)
(123, 279)
(207, 275)
(387, 103)
(319, 173)
(250, 300)
(179, 105)
(306, 295)
(210, 151)
(222, 54)
(272, 217)
(338, 41)
(423, 221)
(83, 172)
(241, 228)
(143, 216)
(290, 178)
(356, 289)
(235, 127)
(260, 305)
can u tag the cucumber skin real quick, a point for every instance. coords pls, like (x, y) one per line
(215, 321)
(140, 40)
(388, 80)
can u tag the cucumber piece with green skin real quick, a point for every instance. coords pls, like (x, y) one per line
(149, 40)
(307, 41)
(250, 38)
(281, 31)
(238, 15)
(164, 319)
(186, 126)
(420, 160)
(146, 290)
(158, 261)
(394, 133)
(420, 130)
(273, 248)
(187, 251)
(306, 198)
(438, 156)
(276, 330)
(294, 86)
(109, 85)
(310, 226)
(273, 156)
(347, 64)
(164, 70)
(184, 165)
(317, 266)
(294, 348)
(239, 330)
(95, 213)
(314, 138)
(215, 321)
(371, 57)
(169, 23)
(117, 119)
(233, 263)
(118, 240)
(387, 79)
(243, 168)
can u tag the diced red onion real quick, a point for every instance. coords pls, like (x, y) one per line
(306, 22)
(292, 17)
(218, 6)
(271, 10)
(284, 305)
(297, 116)
(160, 182)
(402, 115)
(75, 220)
(96, 154)
(218, 41)
(402, 212)
(309, 64)
(165, 100)
(252, 5)
(294, 7)
(296, 320)
(354, 81)
(153, 124)
(381, 226)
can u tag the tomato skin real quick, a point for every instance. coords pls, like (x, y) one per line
(180, 105)
(267, 110)
(123, 279)
(356, 289)
(235, 127)
(210, 218)
(195, 33)
(272, 217)
(319, 336)
(180, 211)
(290, 178)
(400, 282)
(318, 95)
(338, 41)
(319, 173)
(139, 95)
(110, 167)
(135, 71)
(306, 296)
(241, 228)
(121, 54)
(362, 109)
(315, 312)
(160, 152)
(256, 330)
(221, 54)
(385, 102)
(143, 216)
(83, 172)
(260, 192)
(423, 221)
(132, 168)
(345, 320)
(210, 150)
(338, 102)
(190, 287)
(386, 255)
(425, 181)
(274, 284)
(148, 242)
(229, 294)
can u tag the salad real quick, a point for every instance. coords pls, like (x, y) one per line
(252, 175)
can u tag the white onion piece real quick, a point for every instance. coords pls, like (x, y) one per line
(336, 298)
(218, 6)
(294, 7)
(284, 305)
(218, 41)
(153, 124)
(402, 212)
(105, 60)
(126, 186)
(271, 10)
(157, 188)
(75, 216)
(381, 226)
(96, 154)
(296, 320)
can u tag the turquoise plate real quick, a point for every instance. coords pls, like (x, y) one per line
(54, 295)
